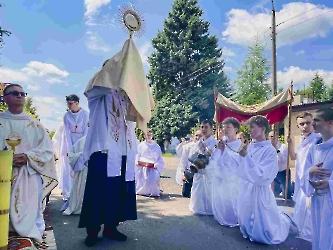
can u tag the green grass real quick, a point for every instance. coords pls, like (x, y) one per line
(167, 155)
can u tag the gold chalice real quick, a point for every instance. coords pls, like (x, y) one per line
(13, 140)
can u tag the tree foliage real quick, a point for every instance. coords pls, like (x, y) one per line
(318, 87)
(28, 108)
(252, 78)
(2, 33)
(166, 120)
(186, 65)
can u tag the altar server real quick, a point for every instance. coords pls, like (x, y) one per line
(226, 184)
(201, 193)
(183, 175)
(118, 93)
(317, 181)
(148, 178)
(34, 174)
(76, 122)
(302, 211)
(74, 204)
(260, 219)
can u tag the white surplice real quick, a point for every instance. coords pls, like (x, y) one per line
(179, 149)
(321, 206)
(302, 211)
(226, 186)
(259, 217)
(110, 131)
(147, 180)
(33, 181)
(201, 193)
(74, 203)
(184, 162)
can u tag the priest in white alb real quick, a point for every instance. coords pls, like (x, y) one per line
(259, 217)
(302, 211)
(226, 184)
(149, 166)
(118, 93)
(317, 181)
(34, 174)
(201, 193)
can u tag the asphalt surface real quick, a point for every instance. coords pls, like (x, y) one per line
(163, 223)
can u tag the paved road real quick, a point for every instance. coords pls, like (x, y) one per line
(163, 223)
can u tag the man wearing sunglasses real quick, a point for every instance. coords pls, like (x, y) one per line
(34, 174)
(75, 122)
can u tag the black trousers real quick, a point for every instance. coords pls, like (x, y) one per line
(107, 200)
(187, 185)
(280, 184)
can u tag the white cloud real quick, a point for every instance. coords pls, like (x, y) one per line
(145, 50)
(93, 6)
(301, 76)
(227, 69)
(300, 52)
(243, 26)
(227, 52)
(33, 75)
(96, 43)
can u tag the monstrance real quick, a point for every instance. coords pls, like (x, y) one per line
(131, 20)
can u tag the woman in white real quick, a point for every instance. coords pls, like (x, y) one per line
(226, 184)
(147, 180)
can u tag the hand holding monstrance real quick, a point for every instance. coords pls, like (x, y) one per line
(13, 141)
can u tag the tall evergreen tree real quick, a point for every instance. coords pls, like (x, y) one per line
(187, 60)
(328, 95)
(318, 87)
(3, 32)
(252, 79)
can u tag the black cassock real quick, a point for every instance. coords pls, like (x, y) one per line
(107, 200)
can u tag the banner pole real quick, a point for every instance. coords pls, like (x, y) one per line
(289, 133)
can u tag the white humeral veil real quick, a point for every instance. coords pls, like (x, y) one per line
(201, 193)
(28, 191)
(226, 186)
(147, 180)
(74, 203)
(259, 217)
(321, 205)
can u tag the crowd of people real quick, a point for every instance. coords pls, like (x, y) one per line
(101, 167)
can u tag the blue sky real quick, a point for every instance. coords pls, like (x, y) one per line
(57, 46)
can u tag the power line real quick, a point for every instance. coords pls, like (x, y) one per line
(306, 21)
(297, 16)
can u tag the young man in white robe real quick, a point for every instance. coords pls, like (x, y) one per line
(148, 179)
(280, 179)
(117, 94)
(184, 141)
(317, 181)
(76, 123)
(34, 174)
(201, 193)
(302, 211)
(226, 184)
(184, 166)
(260, 219)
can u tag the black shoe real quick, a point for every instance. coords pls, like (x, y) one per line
(114, 235)
(91, 241)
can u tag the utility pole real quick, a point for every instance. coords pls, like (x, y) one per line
(273, 37)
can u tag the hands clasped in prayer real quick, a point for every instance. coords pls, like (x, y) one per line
(321, 173)
(20, 160)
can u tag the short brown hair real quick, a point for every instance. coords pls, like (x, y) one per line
(326, 113)
(303, 115)
(5, 90)
(260, 121)
(233, 121)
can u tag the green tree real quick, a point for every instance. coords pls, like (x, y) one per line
(187, 61)
(328, 95)
(166, 120)
(252, 78)
(2, 33)
(51, 134)
(317, 86)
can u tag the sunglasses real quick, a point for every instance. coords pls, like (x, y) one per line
(16, 93)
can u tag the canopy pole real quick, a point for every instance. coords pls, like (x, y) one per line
(289, 133)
